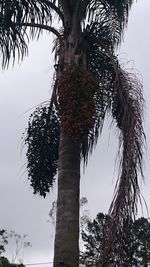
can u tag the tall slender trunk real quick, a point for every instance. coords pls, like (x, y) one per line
(66, 249)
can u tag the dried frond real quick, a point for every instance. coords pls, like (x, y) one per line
(121, 93)
(127, 110)
(42, 140)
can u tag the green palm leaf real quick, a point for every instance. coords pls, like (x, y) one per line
(113, 12)
(15, 17)
(120, 9)
(98, 39)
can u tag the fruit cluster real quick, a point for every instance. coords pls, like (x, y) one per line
(42, 140)
(76, 101)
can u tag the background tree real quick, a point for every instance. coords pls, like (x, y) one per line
(3, 240)
(4, 262)
(14, 243)
(17, 244)
(136, 250)
(89, 82)
(141, 234)
(93, 236)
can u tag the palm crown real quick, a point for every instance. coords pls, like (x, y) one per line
(94, 85)
(16, 16)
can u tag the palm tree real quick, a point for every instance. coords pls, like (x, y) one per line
(89, 82)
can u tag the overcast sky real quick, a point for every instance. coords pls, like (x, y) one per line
(29, 84)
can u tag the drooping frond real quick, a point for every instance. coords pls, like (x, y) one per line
(127, 110)
(42, 140)
(100, 65)
(114, 13)
(120, 9)
(15, 17)
(120, 93)
(13, 43)
(97, 35)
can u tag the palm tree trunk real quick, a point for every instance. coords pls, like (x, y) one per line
(66, 249)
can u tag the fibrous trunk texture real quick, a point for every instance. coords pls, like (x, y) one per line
(66, 249)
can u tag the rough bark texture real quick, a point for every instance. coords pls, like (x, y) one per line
(66, 250)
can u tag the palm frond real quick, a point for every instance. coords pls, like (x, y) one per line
(127, 110)
(120, 93)
(13, 44)
(15, 16)
(120, 9)
(114, 13)
(57, 7)
(100, 65)
(42, 140)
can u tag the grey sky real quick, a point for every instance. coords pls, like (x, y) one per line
(25, 86)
